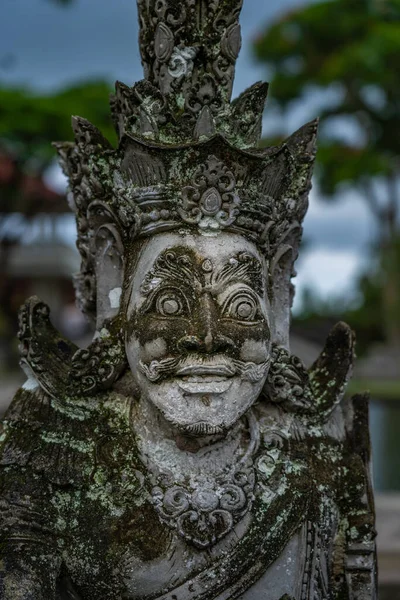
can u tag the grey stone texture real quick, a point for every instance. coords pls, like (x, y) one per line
(186, 454)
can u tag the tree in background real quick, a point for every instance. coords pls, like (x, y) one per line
(348, 52)
(29, 122)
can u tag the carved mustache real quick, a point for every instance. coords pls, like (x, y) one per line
(218, 365)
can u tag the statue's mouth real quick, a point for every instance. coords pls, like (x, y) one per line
(202, 368)
(203, 379)
(206, 370)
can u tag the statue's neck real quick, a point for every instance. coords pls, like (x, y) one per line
(165, 450)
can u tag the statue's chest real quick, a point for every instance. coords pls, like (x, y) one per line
(138, 542)
(182, 571)
(149, 561)
(110, 540)
(150, 545)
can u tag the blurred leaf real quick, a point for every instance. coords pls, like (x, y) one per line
(352, 48)
(347, 45)
(29, 122)
(339, 163)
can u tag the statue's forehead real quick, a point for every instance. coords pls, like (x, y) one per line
(218, 249)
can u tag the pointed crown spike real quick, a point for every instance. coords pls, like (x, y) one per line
(186, 43)
(187, 155)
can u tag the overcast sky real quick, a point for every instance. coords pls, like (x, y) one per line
(46, 47)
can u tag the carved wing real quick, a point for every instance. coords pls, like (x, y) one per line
(59, 366)
(45, 355)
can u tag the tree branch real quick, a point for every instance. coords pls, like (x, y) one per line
(372, 201)
(393, 203)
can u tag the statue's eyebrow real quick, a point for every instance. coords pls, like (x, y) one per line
(176, 265)
(241, 268)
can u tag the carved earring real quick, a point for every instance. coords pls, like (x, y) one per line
(288, 381)
(319, 389)
(98, 366)
(109, 260)
(280, 274)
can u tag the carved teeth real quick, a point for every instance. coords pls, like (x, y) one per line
(204, 378)
(211, 370)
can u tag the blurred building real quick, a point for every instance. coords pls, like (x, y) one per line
(37, 255)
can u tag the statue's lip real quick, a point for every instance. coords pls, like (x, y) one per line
(213, 370)
(205, 385)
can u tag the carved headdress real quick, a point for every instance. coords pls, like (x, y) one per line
(187, 155)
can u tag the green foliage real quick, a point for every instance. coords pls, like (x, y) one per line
(367, 317)
(352, 47)
(29, 123)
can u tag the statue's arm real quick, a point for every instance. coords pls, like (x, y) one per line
(29, 559)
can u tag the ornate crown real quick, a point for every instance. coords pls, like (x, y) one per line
(187, 155)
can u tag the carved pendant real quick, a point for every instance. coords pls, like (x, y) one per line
(204, 516)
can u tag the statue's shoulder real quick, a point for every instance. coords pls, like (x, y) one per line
(59, 438)
(23, 420)
(63, 414)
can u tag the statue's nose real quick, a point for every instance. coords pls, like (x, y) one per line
(210, 343)
(206, 337)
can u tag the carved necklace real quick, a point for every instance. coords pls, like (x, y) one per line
(203, 515)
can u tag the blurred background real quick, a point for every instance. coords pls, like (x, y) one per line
(337, 59)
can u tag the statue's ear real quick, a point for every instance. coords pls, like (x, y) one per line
(281, 288)
(298, 153)
(109, 265)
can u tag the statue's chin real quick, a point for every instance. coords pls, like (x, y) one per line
(198, 425)
(203, 407)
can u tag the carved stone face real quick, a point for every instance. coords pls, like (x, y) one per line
(198, 334)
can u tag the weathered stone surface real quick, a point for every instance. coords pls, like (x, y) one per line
(186, 454)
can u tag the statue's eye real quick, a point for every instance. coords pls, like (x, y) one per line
(242, 306)
(169, 304)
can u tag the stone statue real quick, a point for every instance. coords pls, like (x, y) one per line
(185, 454)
